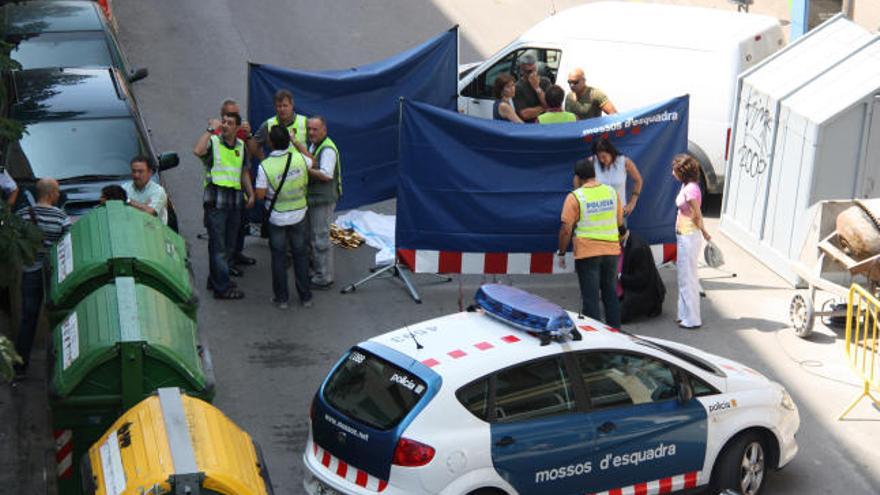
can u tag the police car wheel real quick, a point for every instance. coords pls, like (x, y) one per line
(742, 466)
(488, 491)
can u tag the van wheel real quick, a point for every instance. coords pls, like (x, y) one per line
(487, 491)
(742, 466)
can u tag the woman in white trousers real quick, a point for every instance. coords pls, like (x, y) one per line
(689, 233)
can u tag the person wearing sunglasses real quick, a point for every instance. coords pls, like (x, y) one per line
(586, 102)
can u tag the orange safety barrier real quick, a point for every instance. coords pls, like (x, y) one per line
(861, 342)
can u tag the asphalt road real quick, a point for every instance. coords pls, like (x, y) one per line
(270, 362)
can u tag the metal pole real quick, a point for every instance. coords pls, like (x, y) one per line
(848, 8)
(800, 18)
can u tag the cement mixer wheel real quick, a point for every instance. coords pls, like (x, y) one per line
(802, 316)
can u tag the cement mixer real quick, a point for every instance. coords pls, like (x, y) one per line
(854, 246)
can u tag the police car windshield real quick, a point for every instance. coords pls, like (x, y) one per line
(372, 391)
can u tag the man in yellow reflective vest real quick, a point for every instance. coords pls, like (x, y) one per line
(284, 116)
(226, 175)
(593, 213)
(284, 195)
(325, 187)
(555, 114)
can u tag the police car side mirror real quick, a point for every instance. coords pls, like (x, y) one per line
(168, 160)
(685, 392)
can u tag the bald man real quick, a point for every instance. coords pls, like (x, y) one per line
(586, 102)
(53, 222)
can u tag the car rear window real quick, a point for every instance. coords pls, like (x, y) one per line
(63, 50)
(373, 391)
(66, 149)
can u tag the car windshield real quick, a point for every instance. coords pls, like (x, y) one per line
(86, 49)
(66, 149)
(373, 391)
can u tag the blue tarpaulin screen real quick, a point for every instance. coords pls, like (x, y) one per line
(361, 106)
(475, 185)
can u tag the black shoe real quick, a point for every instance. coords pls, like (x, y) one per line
(317, 286)
(235, 272)
(241, 259)
(210, 287)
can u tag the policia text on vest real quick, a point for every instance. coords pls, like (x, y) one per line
(598, 219)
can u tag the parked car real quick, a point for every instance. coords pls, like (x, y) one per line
(470, 404)
(67, 33)
(82, 127)
(640, 54)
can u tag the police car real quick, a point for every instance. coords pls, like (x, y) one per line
(471, 404)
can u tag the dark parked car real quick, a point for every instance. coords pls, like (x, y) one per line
(82, 127)
(66, 33)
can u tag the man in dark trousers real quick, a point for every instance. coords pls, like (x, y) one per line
(643, 290)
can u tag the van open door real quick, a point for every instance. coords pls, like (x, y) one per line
(475, 90)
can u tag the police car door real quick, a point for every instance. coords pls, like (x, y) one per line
(541, 437)
(644, 433)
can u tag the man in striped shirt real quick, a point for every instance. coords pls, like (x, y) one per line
(53, 222)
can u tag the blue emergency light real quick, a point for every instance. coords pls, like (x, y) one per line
(526, 311)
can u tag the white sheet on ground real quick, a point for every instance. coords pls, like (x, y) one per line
(377, 230)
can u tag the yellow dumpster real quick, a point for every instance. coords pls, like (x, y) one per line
(171, 443)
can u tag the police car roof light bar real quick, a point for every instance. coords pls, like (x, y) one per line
(525, 311)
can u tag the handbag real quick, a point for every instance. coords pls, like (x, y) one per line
(264, 226)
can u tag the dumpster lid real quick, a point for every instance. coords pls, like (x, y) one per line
(173, 438)
(122, 312)
(114, 240)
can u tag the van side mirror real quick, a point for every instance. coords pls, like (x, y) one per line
(168, 160)
(685, 392)
(138, 74)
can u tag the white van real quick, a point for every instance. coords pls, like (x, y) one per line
(640, 54)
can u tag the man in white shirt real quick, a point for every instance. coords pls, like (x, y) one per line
(325, 187)
(8, 187)
(143, 193)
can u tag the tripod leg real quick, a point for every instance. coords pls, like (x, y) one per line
(352, 287)
(401, 273)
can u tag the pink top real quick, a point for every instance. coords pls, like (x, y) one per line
(689, 191)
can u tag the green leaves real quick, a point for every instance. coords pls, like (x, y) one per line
(8, 357)
(19, 242)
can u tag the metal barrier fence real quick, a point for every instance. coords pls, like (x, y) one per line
(861, 342)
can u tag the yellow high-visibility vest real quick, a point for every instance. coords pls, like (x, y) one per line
(598, 218)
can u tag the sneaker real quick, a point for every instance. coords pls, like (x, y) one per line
(307, 304)
(280, 304)
(240, 259)
(320, 286)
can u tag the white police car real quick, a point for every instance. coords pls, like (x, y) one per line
(469, 404)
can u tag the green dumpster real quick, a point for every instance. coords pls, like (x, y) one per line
(118, 240)
(120, 344)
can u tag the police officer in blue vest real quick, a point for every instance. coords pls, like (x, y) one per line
(226, 175)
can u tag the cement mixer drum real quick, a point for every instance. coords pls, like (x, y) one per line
(859, 228)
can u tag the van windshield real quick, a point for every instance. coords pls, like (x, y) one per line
(373, 391)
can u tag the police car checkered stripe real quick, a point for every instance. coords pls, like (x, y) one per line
(432, 261)
(663, 485)
(346, 471)
(463, 352)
